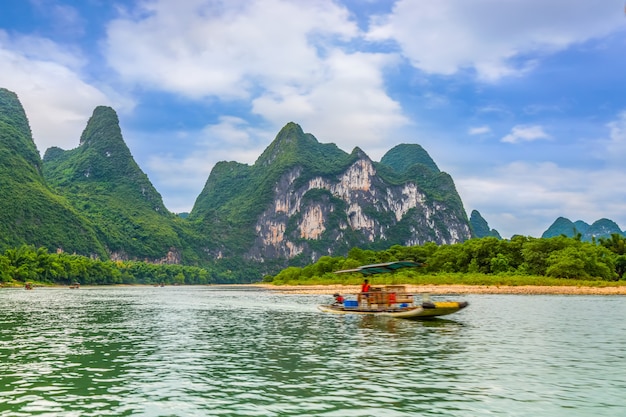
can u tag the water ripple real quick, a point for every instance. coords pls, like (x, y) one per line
(205, 351)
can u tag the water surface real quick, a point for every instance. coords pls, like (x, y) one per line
(211, 351)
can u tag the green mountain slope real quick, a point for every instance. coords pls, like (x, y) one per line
(30, 213)
(236, 194)
(102, 180)
(601, 228)
(480, 227)
(302, 199)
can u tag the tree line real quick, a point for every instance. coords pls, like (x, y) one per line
(29, 264)
(555, 257)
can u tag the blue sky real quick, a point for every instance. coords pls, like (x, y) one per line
(522, 102)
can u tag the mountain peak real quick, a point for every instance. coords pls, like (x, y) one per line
(480, 227)
(358, 153)
(16, 131)
(32, 213)
(12, 113)
(289, 145)
(103, 125)
(401, 157)
(561, 226)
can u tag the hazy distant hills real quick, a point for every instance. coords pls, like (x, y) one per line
(600, 228)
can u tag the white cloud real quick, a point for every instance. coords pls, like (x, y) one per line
(203, 47)
(349, 108)
(479, 130)
(493, 37)
(47, 80)
(522, 133)
(282, 56)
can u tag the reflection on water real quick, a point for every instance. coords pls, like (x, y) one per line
(198, 351)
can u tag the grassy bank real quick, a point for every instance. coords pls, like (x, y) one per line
(452, 279)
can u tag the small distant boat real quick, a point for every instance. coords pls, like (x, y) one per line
(75, 286)
(28, 286)
(391, 300)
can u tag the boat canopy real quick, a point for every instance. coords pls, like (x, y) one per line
(382, 268)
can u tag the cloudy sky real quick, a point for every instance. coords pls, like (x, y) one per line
(523, 102)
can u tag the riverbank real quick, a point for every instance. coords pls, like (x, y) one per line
(453, 289)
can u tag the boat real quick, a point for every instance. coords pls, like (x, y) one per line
(391, 300)
(394, 301)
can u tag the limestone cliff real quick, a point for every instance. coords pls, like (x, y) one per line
(305, 200)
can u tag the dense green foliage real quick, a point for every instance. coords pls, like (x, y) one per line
(102, 181)
(29, 211)
(28, 264)
(558, 257)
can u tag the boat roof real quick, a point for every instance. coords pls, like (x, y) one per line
(381, 268)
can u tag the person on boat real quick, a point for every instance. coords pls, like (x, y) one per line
(338, 299)
(365, 287)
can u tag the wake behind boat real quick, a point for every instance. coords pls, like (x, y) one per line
(390, 300)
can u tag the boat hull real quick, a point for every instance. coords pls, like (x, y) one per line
(430, 310)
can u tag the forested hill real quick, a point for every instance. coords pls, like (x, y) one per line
(303, 199)
(299, 201)
(30, 212)
(102, 180)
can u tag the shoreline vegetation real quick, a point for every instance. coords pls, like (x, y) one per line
(446, 289)
(616, 288)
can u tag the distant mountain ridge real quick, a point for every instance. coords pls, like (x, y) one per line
(600, 228)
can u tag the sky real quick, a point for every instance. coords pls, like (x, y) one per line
(522, 102)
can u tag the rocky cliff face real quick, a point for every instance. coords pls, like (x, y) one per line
(328, 214)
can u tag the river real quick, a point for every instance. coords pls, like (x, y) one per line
(221, 351)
